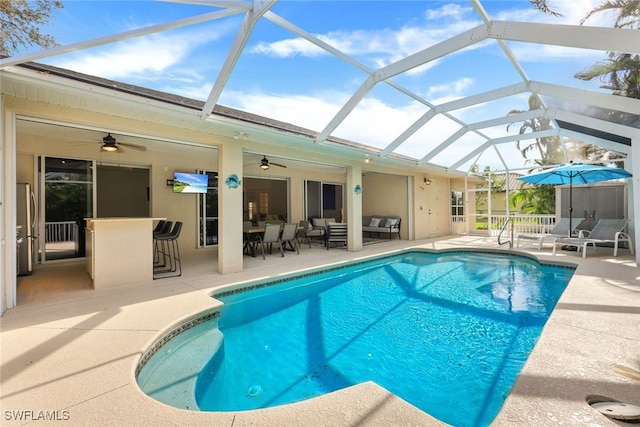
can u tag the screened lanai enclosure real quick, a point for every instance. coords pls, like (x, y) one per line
(474, 92)
(430, 120)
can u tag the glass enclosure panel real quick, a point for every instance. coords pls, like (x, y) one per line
(68, 200)
(313, 199)
(208, 209)
(478, 212)
(265, 199)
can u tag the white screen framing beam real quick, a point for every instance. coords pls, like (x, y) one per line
(59, 50)
(240, 41)
(577, 36)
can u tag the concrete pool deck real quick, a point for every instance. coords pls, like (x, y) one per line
(68, 353)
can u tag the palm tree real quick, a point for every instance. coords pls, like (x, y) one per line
(628, 12)
(542, 6)
(546, 150)
(620, 72)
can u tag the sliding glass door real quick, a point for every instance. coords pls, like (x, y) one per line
(67, 192)
(323, 200)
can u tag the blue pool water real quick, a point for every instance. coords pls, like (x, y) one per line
(446, 332)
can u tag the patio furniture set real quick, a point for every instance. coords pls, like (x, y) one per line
(326, 231)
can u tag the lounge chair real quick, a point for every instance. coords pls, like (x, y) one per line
(605, 231)
(561, 229)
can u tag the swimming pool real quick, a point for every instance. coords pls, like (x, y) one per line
(447, 332)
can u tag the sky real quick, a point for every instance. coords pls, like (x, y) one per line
(284, 77)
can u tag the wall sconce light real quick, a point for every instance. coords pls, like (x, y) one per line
(427, 181)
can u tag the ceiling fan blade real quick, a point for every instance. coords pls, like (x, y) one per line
(277, 164)
(133, 146)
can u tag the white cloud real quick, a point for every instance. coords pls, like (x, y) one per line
(287, 48)
(449, 91)
(312, 111)
(143, 57)
(452, 10)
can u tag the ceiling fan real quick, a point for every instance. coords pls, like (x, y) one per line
(264, 164)
(110, 144)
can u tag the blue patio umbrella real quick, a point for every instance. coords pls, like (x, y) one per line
(575, 173)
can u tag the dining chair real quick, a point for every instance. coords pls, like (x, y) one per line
(289, 236)
(301, 232)
(271, 236)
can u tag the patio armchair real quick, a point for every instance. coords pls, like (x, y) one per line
(605, 231)
(318, 230)
(561, 229)
(304, 227)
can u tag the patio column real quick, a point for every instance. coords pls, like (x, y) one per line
(354, 207)
(634, 193)
(8, 256)
(230, 209)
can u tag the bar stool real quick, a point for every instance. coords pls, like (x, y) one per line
(171, 266)
(162, 228)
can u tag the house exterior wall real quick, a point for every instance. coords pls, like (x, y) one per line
(387, 191)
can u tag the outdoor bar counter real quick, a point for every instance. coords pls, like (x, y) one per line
(119, 250)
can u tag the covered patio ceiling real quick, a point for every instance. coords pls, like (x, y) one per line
(453, 133)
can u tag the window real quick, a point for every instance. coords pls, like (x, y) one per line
(457, 206)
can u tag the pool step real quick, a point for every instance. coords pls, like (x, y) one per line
(170, 374)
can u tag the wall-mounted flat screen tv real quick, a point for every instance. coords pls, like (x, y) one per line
(190, 182)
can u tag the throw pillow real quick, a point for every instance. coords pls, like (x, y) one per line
(375, 222)
(391, 222)
(318, 222)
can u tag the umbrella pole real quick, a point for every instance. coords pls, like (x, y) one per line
(570, 203)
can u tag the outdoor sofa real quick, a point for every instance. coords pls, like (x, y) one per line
(381, 224)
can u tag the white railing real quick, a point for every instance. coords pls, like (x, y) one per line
(523, 223)
(61, 231)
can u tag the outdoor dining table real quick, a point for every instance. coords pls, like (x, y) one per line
(252, 236)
